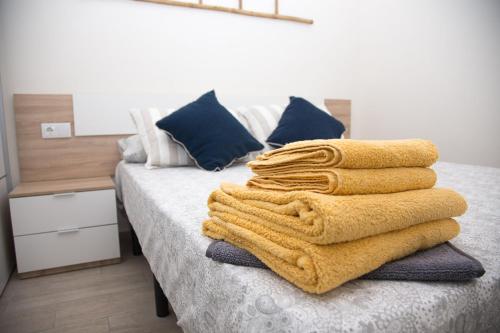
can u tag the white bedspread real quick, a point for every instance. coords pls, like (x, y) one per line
(167, 206)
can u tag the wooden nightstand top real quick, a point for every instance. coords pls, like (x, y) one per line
(62, 186)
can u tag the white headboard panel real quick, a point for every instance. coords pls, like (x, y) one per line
(108, 114)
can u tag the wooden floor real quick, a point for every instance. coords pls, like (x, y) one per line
(116, 298)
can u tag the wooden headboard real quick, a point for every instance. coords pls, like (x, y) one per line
(341, 109)
(52, 159)
(81, 156)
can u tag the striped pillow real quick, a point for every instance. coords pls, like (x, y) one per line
(161, 150)
(261, 121)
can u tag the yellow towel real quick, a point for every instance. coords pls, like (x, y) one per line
(348, 154)
(320, 268)
(326, 219)
(347, 181)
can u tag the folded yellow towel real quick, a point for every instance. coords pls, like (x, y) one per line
(320, 268)
(326, 219)
(347, 181)
(347, 154)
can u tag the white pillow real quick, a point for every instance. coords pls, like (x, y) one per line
(132, 150)
(161, 150)
(261, 121)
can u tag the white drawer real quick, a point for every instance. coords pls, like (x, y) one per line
(56, 249)
(47, 213)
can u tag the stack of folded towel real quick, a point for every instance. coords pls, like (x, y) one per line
(346, 167)
(320, 213)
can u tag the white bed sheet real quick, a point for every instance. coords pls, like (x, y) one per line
(167, 206)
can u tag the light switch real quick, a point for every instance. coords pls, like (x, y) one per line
(56, 130)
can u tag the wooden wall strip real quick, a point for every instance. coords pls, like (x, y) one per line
(53, 159)
(238, 11)
(341, 109)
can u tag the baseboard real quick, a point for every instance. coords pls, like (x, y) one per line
(69, 268)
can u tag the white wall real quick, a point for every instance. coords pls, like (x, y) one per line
(66, 46)
(431, 68)
(419, 68)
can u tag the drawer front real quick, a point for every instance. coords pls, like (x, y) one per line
(48, 213)
(57, 249)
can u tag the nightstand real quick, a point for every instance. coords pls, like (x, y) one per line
(64, 225)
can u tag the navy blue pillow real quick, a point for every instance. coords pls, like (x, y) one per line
(209, 133)
(301, 120)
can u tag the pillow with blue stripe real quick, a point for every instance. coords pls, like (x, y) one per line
(209, 133)
(301, 120)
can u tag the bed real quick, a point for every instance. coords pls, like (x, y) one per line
(167, 206)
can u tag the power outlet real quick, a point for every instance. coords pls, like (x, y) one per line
(56, 130)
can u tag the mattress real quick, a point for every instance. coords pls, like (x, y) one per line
(167, 206)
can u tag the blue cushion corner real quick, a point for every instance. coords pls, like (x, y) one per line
(209, 133)
(302, 120)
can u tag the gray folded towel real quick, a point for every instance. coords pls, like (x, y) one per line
(441, 263)
(230, 254)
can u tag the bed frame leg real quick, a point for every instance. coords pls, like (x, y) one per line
(136, 246)
(161, 301)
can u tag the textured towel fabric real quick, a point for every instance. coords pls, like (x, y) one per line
(320, 268)
(347, 181)
(346, 154)
(326, 219)
(440, 263)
